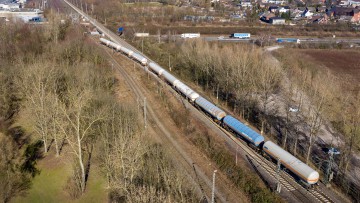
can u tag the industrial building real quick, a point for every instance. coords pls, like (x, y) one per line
(22, 14)
(13, 10)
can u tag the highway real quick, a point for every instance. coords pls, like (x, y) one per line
(302, 40)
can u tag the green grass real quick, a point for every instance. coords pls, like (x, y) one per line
(48, 186)
(95, 191)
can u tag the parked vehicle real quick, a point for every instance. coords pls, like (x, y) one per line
(240, 35)
(190, 35)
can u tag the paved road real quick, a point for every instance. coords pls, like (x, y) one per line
(302, 40)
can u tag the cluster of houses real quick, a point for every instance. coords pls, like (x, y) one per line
(280, 12)
(338, 11)
(14, 10)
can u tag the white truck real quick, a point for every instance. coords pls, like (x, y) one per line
(190, 35)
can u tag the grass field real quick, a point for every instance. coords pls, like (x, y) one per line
(49, 185)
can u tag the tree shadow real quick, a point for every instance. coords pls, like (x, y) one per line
(19, 136)
(88, 164)
(63, 143)
(49, 146)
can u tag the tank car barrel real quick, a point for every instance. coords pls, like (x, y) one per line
(299, 168)
(243, 130)
(210, 108)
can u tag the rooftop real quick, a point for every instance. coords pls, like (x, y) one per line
(6, 1)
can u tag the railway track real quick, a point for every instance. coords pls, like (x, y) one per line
(285, 179)
(139, 94)
(152, 116)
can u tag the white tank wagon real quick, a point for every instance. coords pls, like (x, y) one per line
(115, 46)
(105, 41)
(126, 51)
(110, 44)
(156, 68)
(210, 108)
(299, 168)
(187, 91)
(170, 78)
(140, 58)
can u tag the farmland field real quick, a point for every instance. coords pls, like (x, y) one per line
(344, 64)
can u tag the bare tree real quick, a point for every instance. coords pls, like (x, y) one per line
(80, 117)
(36, 81)
(266, 82)
(351, 128)
(320, 96)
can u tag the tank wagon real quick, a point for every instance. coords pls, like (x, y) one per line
(187, 91)
(210, 108)
(297, 167)
(105, 41)
(156, 68)
(170, 78)
(302, 171)
(140, 58)
(242, 130)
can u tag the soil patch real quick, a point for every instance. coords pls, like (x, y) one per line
(343, 63)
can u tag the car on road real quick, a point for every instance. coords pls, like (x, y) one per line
(221, 37)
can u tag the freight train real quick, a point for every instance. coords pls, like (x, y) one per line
(302, 172)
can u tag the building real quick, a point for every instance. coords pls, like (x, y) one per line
(266, 16)
(273, 9)
(25, 15)
(283, 9)
(277, 21)
(9, 6)
(356, 16)
(275, 1)
(307, 14)
(245, 4)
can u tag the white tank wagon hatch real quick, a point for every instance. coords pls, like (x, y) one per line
(299, 168)
(139, 58)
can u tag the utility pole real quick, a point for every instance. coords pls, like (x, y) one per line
(236, 155)
(329, 173)
(142, 45)
(169, 63)
(112, 69)
(145, 112)
(213, 188)
(278, 184)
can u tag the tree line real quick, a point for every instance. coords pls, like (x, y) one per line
(262, 90)
(59, 92)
